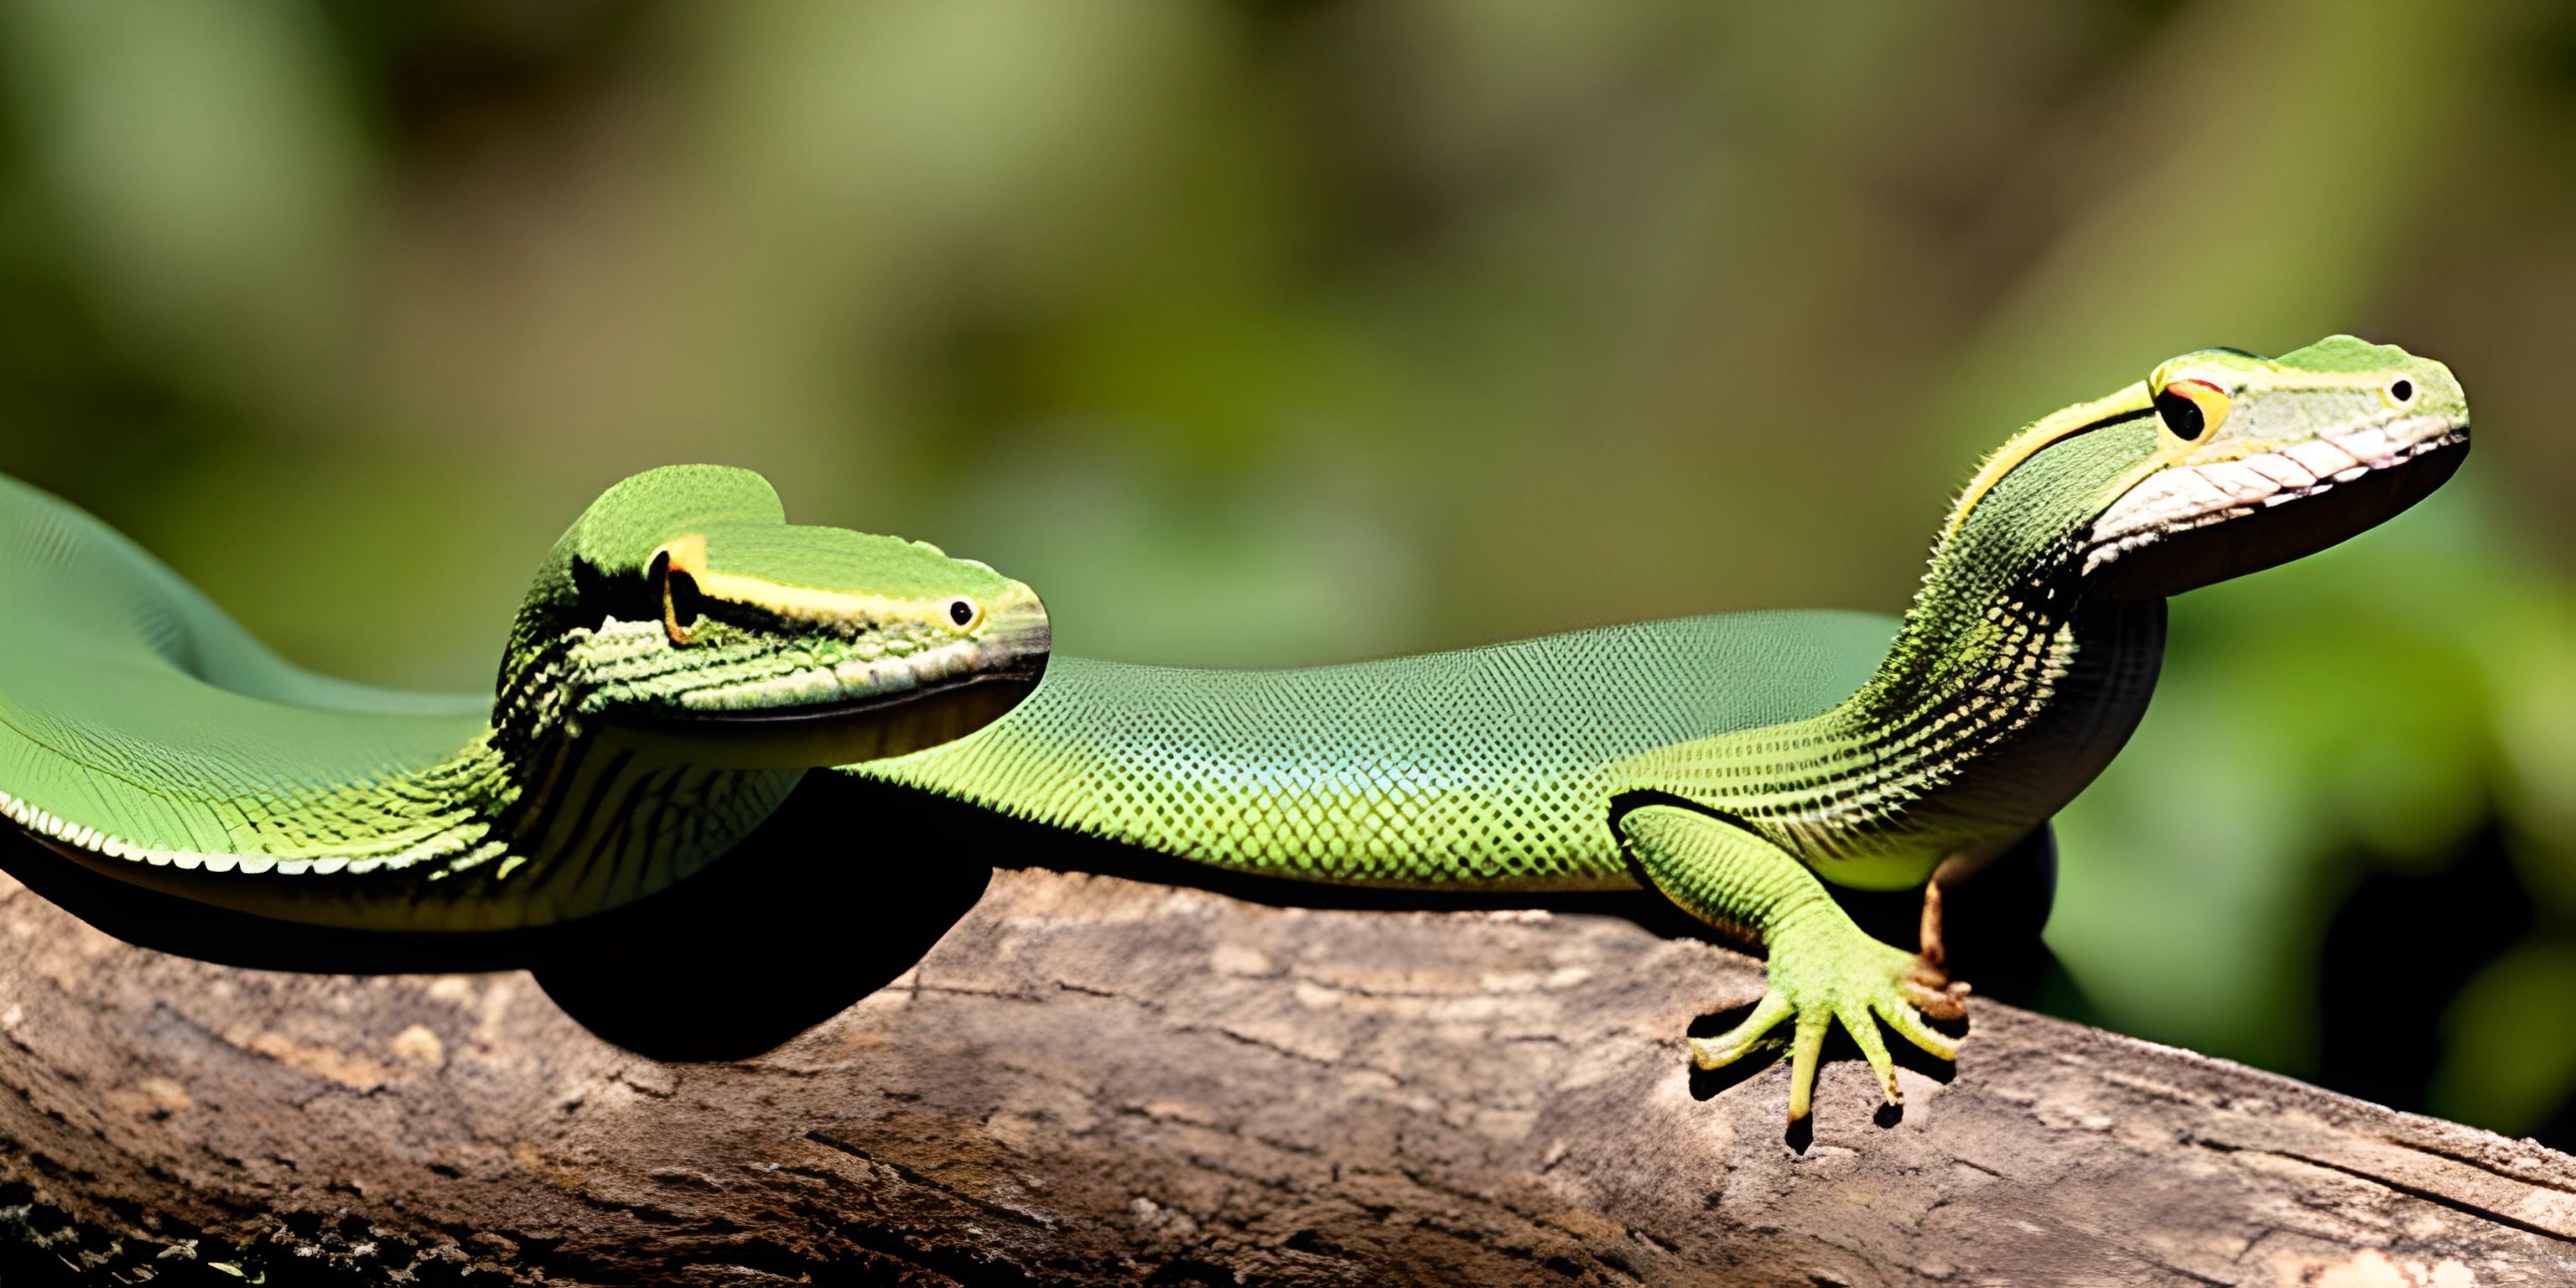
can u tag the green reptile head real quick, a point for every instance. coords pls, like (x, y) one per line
(682, 611)
(2219, 463)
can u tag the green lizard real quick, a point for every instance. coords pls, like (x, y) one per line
(683, 657)
(1732, 762)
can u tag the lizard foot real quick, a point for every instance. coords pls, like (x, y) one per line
(1824, 969)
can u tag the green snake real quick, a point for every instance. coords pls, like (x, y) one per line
(682, 658)
(1736, 763)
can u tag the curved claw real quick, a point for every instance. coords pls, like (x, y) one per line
(1910, 1025)
(1873, 1048)
(1728, 1047)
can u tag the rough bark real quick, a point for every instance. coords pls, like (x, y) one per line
(1092, 1080)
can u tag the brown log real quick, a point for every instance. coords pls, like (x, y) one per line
(1093, 1080)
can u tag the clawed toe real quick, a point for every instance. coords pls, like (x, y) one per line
(1933, 992)
(1728, 1047)
(1712, 1053)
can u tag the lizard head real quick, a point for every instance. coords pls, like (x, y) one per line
(2221, 463)
(683, 610)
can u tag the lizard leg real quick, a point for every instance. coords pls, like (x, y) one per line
(1823, 969)
(1989, 904)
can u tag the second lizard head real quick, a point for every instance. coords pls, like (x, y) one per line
(683, 611)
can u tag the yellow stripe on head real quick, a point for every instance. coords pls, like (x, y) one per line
(2042, 432)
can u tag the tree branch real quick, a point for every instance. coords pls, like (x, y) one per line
(1095, 1081)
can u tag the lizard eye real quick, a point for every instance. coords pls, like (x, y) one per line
(681, 603)
(2192, 409)
(964, 614)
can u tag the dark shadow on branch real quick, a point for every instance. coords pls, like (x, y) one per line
(809, 914)
(842, 890)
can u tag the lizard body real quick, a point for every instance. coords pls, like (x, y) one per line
(1732, 763)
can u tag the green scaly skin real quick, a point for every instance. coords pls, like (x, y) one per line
(683, 657)
(1732, 762)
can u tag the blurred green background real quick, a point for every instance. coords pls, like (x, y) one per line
(1296, 333)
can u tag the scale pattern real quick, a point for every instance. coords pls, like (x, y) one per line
(132, 709)
(145, 734)
(1492, 766)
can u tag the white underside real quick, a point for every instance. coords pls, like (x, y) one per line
(445, 843)
(884, 675)
(2193, 496)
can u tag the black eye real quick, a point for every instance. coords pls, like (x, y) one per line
(681, 602)
(2181, 415)
(686, 602)
(961, 611)
(2402, 391)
